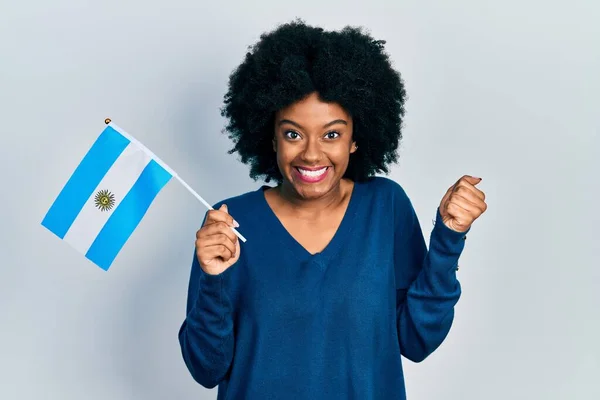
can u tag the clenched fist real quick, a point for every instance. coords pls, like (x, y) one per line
(217, 246)
(462, 204)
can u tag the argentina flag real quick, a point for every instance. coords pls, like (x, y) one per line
(107, 196)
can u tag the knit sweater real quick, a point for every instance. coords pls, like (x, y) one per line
(282, 323)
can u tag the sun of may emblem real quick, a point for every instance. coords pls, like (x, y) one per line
(104, 200)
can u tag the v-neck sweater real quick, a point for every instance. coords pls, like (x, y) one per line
(282, 323)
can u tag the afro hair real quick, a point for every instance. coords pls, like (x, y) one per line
(347, 67)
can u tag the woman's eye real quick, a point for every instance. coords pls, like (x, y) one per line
(292, 135)
(332, 135)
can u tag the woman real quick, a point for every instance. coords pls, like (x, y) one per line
(335, 282)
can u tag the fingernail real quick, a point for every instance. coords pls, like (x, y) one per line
(235, 224)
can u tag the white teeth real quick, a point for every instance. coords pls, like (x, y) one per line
(312, 174)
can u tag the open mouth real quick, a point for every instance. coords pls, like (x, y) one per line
(312, 175)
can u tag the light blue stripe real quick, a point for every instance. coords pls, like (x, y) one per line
(127, 215)
(88, 174)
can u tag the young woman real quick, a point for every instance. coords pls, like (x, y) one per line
(335, 282)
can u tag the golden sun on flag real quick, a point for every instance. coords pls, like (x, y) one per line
(104, 200)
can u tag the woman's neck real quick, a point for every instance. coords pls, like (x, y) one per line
(290, 202)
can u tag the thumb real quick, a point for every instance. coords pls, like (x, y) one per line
(473, 180)
(226, 210)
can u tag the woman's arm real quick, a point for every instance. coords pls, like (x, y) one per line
(206, 335)
(427, 287)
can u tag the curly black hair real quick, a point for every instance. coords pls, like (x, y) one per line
(347, 67)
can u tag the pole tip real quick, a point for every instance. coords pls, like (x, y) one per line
(107, 121)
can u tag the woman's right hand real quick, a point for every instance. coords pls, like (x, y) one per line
(217, 246)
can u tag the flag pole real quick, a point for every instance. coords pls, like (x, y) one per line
(196, 195)
(192, 191)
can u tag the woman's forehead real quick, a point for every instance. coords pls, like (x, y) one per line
(313, 110)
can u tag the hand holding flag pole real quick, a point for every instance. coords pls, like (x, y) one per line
(108, 194)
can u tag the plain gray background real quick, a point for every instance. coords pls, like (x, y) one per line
(505, 90)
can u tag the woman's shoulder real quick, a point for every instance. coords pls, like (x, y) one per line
(245, 206)
(388, 199)
(242, 200)
(384, 187)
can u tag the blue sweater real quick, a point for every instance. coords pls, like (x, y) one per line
(284, 324)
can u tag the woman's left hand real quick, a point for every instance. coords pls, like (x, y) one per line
(462, 204)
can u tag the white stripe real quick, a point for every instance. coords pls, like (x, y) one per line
(147, 150)
(118, 180)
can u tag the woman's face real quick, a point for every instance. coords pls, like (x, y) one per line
(313, 141)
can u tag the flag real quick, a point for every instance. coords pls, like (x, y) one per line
(107, 196)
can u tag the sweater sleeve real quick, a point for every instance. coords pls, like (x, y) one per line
(206, 335)
(427, 286)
